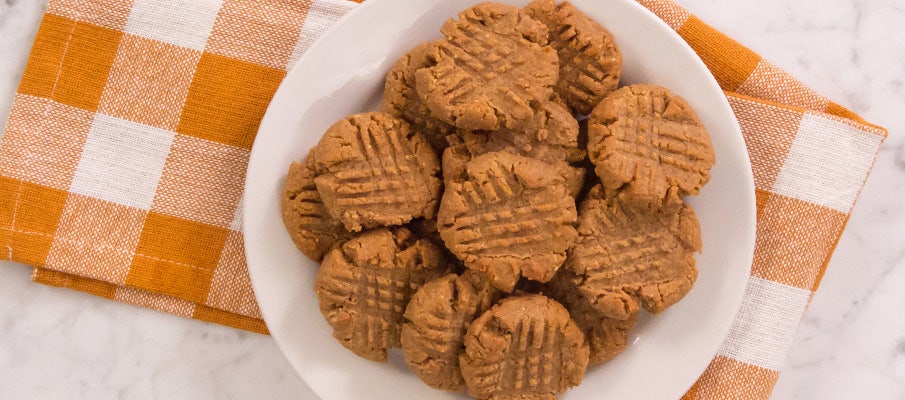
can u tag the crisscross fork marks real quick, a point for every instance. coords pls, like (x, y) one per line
(590, 64)
(668, 142)
(525, 345)
(504, 218)
(649, 144)
(623, 255)
(491, 58)
(379, 179)
(437, 318)
(374, 171)
(533, 352)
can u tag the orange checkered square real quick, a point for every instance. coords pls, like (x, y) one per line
(812, 228)
(149, 82)
(29, 216)
(259, 31)
(176, 257)
(208, 191)
(46, 56)
(227, 99)
(726, 378)
(96, 239)
(106, 13)
(730, 63)
(71, 69)
(43, 141)
(60, 279)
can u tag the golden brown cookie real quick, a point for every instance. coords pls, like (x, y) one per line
(649, 146)
(551, 135)
(492, 65)
(365, 284)
(524, 346)
(509, 217)
(372, 170)
(457, 155)
(606, 337)
(436, 320)
(624, 256)
(312, 228)
(400, 98)
(453, 161)
(590, 63)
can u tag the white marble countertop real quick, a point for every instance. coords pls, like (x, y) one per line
(58, 343)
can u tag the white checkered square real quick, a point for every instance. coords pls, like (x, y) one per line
(322, 15)
(766, 323)
(827, 163)
(122, 162)
(185, 23)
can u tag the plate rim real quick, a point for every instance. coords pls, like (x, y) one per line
(748, 182)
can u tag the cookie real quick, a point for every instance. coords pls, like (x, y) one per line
(400, 98)
(453, 161)
(372, 170)
(436, 320)
(457, 155)
(524, 347)
(510, 217)
(364, 285)
(649, 145)
(590, 63)
(625, 256)
(606, 337)
(312, 228)
(551, 135)
(492, 65)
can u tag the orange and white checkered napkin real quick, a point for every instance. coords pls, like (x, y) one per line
(122, 165)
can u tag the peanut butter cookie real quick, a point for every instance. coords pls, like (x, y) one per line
(492, 65)
(606, 337)
(590, 63)
(625, 255)
(372, 170)
(312, 228)
(457, 155)
(551, 135)
(509, 218)
(400, 98)
(649, 145)
(525, 347)
(436, 320)
(365, 284)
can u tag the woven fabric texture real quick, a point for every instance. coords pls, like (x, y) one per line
(123, 162)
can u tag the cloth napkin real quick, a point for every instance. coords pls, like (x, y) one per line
(123, 162)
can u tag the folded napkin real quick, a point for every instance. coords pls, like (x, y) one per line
(123, 162)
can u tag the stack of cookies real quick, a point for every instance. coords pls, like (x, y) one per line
(478, 225)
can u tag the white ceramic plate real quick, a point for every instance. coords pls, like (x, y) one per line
(343, 73)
